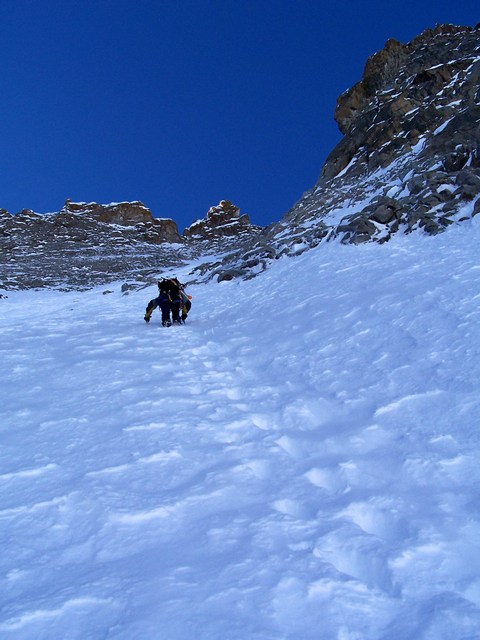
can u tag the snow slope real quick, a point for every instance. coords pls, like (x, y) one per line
(298, 462)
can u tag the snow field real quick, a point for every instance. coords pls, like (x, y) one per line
(298, 462)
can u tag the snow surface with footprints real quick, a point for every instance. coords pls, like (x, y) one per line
(300, 461)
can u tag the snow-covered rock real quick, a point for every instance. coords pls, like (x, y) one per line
(221, 220)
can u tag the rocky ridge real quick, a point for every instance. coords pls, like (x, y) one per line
(410, 156)
(409, 161)
(88, 243)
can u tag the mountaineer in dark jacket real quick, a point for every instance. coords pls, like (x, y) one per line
(171, 300)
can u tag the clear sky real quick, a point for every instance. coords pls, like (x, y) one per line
(182, 103)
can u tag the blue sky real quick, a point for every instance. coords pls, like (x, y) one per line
(180, 104)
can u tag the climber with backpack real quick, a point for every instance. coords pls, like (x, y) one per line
(171, 300)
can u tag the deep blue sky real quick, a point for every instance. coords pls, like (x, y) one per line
(181, 103)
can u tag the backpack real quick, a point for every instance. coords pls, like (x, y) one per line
(169, 287)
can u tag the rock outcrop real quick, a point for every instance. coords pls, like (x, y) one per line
(410, 156)
(124, 214)
(407, 91)
(221, 221)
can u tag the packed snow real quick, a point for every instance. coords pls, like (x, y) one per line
(300, 461)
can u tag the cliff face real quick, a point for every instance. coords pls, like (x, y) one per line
(409, 91)
(410, 156)
(124, 213)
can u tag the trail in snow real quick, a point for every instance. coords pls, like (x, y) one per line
(299, 461)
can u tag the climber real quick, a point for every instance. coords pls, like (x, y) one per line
(171, 299)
